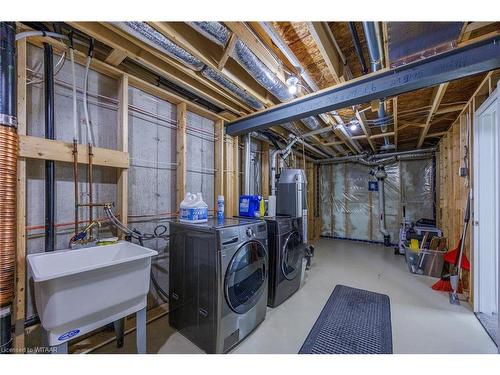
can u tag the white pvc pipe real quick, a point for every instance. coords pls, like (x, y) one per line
(27, 34)
(75, 110)
(247, 156)
(85, 102)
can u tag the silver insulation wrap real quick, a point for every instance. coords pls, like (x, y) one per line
(149, 35)
(219, 34)
(349, 210)
(221, 80)
(260, 72)
(215, 31)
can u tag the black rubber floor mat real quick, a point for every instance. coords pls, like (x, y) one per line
(353, 321)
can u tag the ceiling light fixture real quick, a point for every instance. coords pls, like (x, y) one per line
(292, 82)
(353, 125)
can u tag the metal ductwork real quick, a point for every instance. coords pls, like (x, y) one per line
(220, 34)
(9, 145)
(385, 158)
(380, 174)
(157, 40)
(215, 76)
(147, 34)
(374, 43)
(260, 72)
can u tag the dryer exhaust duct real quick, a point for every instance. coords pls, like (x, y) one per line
(374, 42)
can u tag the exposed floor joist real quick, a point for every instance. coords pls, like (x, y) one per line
(323, 38)
(436, 101)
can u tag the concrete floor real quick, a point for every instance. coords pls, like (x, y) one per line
(423, 321)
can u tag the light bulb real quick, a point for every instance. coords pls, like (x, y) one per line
(353, 127)
(292, 89)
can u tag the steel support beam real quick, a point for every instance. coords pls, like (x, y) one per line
(455, 64)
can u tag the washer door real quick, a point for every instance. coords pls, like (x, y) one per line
(245, 279)
(291, 261)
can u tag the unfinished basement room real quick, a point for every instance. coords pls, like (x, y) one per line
(249, 187)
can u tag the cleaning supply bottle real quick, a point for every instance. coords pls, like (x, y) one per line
(262, 207)
(193, 209)
(220, 207)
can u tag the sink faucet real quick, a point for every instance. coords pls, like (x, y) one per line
(88, 229)
(85, 238)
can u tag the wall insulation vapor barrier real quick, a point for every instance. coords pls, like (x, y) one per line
(350, 211)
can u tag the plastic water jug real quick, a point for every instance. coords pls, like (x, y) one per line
(193, 209)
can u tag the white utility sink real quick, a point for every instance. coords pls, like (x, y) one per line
(77, 291)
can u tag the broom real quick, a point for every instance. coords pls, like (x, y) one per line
(457, 260)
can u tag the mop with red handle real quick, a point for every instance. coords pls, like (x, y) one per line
(458, 261)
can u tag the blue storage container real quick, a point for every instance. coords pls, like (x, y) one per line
(249, 205)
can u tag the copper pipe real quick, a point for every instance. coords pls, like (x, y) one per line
(9, 145)
(75, 181)
(89, 179)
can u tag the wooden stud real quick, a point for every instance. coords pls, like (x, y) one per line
(236, 176)
(228, 176)
(123, 146)
(265, 169)
(46, 149)
(395, 119)
(219, 159)
(19, 313)
(181, 152)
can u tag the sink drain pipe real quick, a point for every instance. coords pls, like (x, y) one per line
(9, 144)
(50, 165)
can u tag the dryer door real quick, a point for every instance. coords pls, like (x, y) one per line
(246, 277)
(292, 254)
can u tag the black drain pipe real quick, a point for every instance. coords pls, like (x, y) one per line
(357, 46)
(50, 165)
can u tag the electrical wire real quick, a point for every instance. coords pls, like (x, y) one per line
(58, 68)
